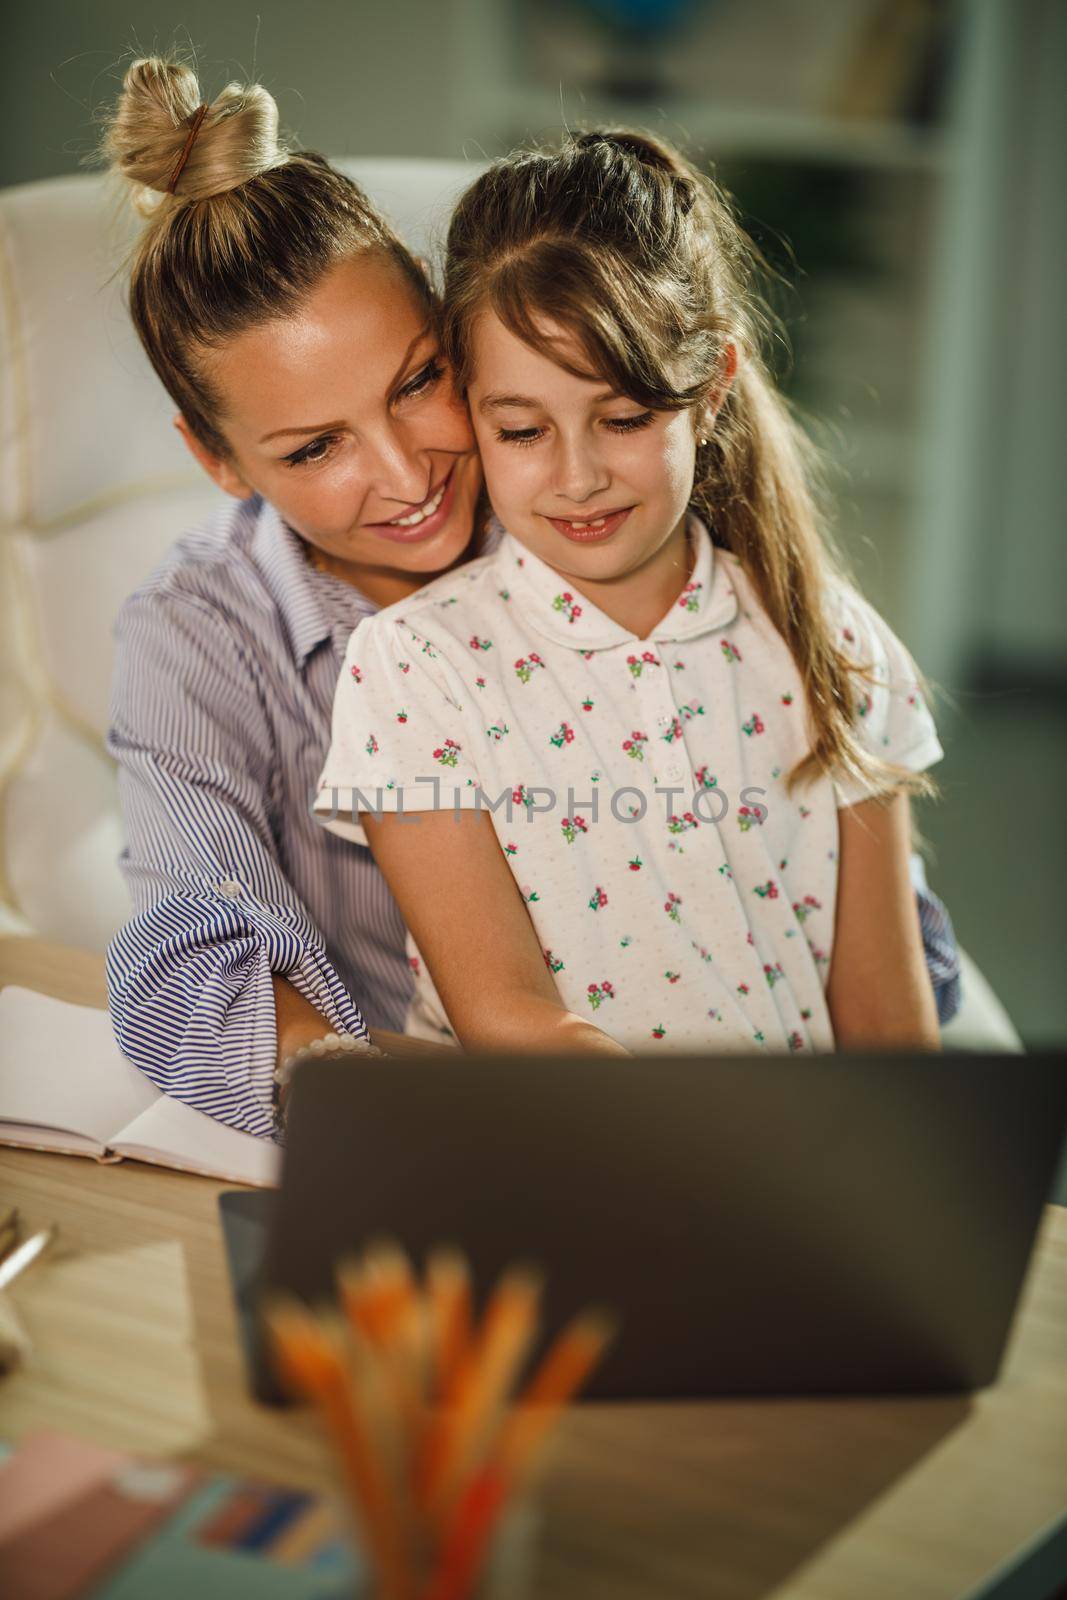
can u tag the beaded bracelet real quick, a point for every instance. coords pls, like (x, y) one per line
(329, 1044)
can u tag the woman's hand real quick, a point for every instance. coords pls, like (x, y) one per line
(879, 993)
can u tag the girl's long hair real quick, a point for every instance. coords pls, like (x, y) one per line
(620, 242)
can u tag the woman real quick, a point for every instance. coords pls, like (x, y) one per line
(297, 337)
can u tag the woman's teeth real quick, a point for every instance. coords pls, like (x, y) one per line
(423, 512)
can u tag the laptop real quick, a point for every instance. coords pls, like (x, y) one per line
(836, 1225)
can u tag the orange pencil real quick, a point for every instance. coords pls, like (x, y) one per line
(311, 1363)
(464, 1549)
(557, 1380)
(449, 1297)
(492, 1361)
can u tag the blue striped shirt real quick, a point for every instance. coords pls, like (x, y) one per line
(227, 661)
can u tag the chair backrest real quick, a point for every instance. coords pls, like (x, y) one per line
(95, 485)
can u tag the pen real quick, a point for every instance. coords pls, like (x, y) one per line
(25, 1255)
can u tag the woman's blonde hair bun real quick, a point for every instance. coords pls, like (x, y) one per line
(237, 138)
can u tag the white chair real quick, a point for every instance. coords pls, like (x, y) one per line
(95, 485)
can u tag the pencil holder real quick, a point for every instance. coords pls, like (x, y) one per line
(437, 1459)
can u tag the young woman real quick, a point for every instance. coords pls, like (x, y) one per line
(298, 339)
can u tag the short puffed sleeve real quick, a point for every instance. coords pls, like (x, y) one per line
(398, 738)
(891, 718)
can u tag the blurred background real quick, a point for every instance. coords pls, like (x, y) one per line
(901, 164)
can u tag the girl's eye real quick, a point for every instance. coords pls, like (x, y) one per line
(519, 435)
(423, 380)
(630, 424)
(309, 455)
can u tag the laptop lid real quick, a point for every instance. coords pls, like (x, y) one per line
(762, 1225)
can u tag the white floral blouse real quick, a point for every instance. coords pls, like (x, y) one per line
(680, 897)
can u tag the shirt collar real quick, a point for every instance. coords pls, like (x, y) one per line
(561, 614)
(314, 606)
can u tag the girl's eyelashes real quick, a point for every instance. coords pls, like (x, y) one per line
(527, 436)
(321, 449)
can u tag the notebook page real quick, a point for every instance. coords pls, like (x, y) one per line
(61, 1069)
(179, 1136)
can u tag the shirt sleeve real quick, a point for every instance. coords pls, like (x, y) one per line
(400, 741)
(189, 976)
(891, 719)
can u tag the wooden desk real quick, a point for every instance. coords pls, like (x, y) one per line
(135, 1345)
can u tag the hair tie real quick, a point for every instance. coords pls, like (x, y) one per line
(183, 158)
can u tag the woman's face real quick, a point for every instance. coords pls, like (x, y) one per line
(342, 415)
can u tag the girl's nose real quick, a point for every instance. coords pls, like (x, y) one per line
(580, 473)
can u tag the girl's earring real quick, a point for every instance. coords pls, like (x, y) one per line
(703, 439)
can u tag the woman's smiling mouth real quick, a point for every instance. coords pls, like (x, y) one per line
(424, 520)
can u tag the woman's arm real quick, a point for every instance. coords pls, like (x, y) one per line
(879, 991)
(460, 901)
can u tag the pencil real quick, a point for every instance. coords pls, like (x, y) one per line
(311, 1363)
(557, 1380)
(489, 1368)
(464, 1549)
(449, 1297)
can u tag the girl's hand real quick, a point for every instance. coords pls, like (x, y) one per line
(879, 992)
(457, 894)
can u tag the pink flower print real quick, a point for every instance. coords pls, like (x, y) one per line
(702, 952)
(626, 941)
(750, 817)
(753, 725)
(564, 734)
(705, 778)
(528, 894)
(715, 1014)
(405, 666)
(511, 849)
(802, 909)
(597, 993)
(806, 1014)
(479, 683)
(635, 864)
(480, 644)
(725, 871)
(587, 655)
(820, 958)
(598, 899)
(804, 813)
(674, 731)
(635, 745)
(787, 699)
(742, 988)
(682, 824)
(572, 827)
(795, 1041)
(519, 795)
(749, 939)
(415, 964)
(525, 667)
(672, 977)
(505, 594)
(401, 716)
(671, 904)
(689, 598)
(587, 704)
(371, 746)
(428, 649)
(730, 651)
(846, 633)
(659, 1032)
(448, 754)
(565, 602)
(767, 891)
(772, 973)
(637, 664)
(553, 963)
(357, 675)
(864, 705)
(498, 731)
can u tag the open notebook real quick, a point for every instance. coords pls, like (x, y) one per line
(64, 1086)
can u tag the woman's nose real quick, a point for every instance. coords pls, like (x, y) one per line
(403, 472)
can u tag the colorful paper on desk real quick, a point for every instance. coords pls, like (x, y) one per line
(80, 1521)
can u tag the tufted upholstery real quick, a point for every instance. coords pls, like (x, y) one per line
(95, 485)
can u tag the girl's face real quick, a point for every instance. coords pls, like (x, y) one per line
(343, 416)
(590, 481)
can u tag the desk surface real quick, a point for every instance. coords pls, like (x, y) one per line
(135, 1345)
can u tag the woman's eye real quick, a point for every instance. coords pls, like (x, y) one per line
(519, 435)
(630, 424)
(423, 380)
(309, 455)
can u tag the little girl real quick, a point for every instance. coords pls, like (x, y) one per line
(639, 778)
